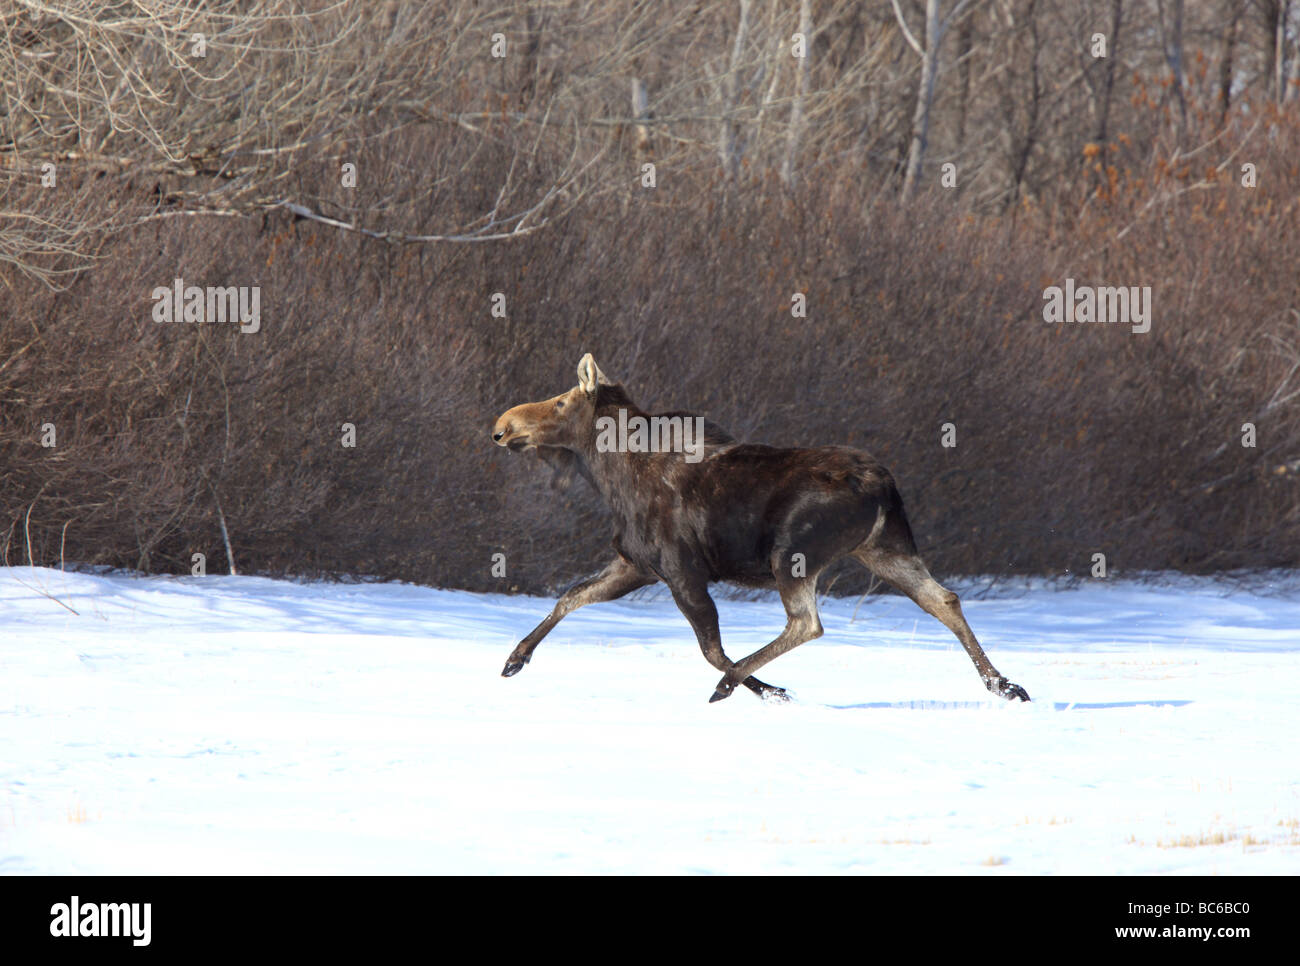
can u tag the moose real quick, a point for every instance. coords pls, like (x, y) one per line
(713, 509)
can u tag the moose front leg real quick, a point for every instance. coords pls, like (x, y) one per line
(619, 577)
(697, 606)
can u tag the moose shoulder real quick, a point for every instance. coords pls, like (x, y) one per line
(691, 506)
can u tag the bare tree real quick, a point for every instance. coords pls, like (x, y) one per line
(730, 148)
(1232, 10)
(1281, 9)
(1106, 65)
(1171, 36)
(209, 109)
(800, 90)
(936, 25)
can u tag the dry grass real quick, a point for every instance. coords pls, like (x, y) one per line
(1196, 840)
(1287, 837)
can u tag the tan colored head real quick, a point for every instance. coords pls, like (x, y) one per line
(557, 421)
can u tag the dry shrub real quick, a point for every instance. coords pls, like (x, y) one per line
(1071, 439)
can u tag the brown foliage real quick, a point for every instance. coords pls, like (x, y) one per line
(1071, 439)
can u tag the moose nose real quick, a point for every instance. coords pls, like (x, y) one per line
(499, 432)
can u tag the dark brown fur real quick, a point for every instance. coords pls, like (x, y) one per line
(745, 513)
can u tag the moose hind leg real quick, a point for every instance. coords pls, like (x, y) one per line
(909, 574)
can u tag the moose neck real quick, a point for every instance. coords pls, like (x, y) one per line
(624, 475)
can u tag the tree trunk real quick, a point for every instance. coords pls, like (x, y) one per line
(1228, 47)
(729, 148)
(963, 73)
(1281, 9)
(641, 112)
(1172, 41)
(924, 97)
(788, 176)
(1108, 83)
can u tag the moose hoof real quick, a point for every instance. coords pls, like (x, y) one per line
(723, 690)
(513, 667)
(1015, 691)
(772, 693)
(1005, 689)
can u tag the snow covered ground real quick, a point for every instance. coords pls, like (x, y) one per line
(239, 724)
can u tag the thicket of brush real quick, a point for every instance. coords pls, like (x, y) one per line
(1071, 439)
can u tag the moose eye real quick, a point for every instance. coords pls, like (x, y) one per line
(559, 404)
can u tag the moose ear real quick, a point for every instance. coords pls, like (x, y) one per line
(590, 376)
